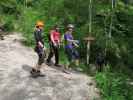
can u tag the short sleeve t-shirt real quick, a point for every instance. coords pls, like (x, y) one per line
(56, 35)
(67, 43)
(38, 36)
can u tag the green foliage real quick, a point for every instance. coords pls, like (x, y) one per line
(8, 22)
(10, 13)
(63, 58)
(21, 15)
(114, 86)
(27, 26)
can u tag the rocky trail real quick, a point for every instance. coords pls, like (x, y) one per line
(16, 83)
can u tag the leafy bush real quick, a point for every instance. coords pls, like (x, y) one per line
(114, 86)
(8, 22)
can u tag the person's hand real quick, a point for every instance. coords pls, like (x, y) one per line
(76, 41)
(75, 44)
(40, 44)
(44, 48)
(55, 44)
(59, 45)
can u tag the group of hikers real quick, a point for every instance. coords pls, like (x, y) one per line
(54, 38)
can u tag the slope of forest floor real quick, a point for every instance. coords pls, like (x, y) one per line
(16, 61)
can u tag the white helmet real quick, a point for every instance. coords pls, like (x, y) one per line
(70, 26)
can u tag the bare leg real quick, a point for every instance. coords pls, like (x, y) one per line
(38, 67)
(77, 62)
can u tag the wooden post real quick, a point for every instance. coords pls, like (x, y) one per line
(88, 39)
(90, 30)
(88, 52)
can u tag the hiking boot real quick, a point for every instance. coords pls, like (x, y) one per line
(36, 73)
(33, 71)
(49, 64)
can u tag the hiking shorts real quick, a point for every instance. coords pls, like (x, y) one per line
(72, 54)
(41, 55)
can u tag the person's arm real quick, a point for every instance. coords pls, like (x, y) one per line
(59, 40)
(37, 37)
(72, 40)
(40, 44)
(52, 37)
(67, 38)
(75, 44)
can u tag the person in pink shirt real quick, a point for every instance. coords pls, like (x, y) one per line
(54, 41)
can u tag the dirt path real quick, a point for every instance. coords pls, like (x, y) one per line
(16, 83)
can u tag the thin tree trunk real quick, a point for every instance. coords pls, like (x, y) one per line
(90, 30)
(112, 14)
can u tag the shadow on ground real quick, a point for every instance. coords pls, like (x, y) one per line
(27, 67)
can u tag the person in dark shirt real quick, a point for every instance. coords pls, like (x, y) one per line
(38, 47)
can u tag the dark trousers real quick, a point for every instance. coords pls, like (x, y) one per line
(99, 65)
(54, 50)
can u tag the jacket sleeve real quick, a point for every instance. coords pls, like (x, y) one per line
(37, 36)
(52, 36)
